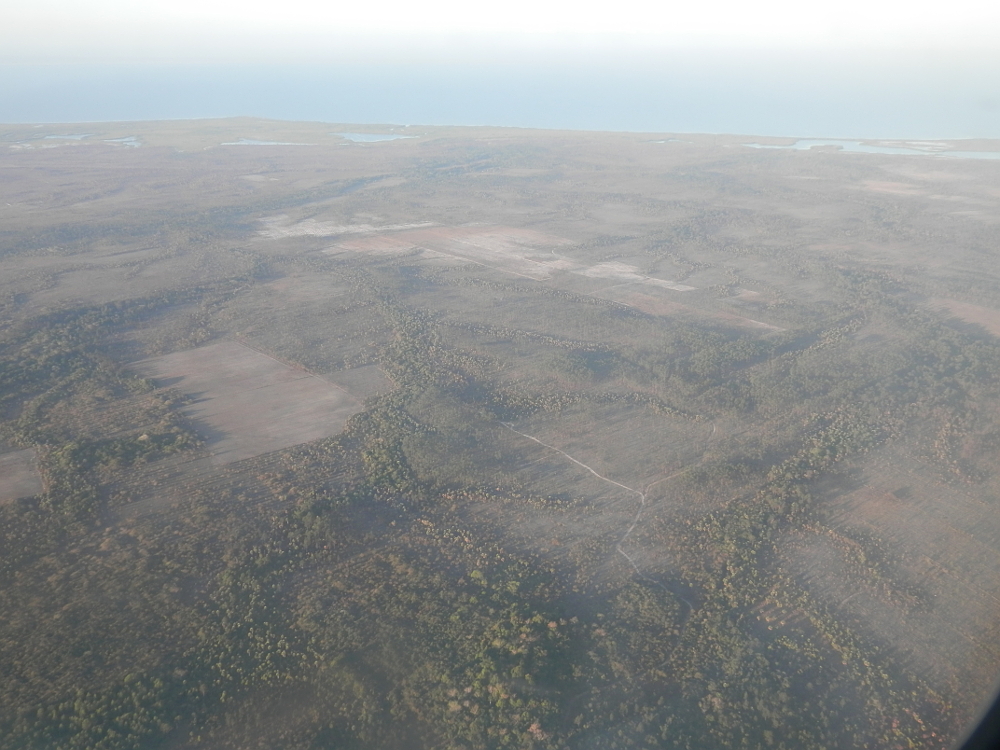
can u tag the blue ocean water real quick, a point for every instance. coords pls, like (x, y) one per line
(671, 94)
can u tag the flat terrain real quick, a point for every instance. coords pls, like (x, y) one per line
(986, 317)
(494, 439)
(19, 475)
(246, 403)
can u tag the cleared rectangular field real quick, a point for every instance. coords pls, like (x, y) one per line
(247, 403)
(19, 475)
(986, 317)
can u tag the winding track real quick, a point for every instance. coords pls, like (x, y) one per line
(635, 522)
(638, 513)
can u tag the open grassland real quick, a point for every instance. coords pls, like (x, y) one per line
(488, 439)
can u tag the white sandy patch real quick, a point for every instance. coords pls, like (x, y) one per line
(626, 273)
(278, 227)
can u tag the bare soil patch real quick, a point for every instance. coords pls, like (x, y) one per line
(247, 403)
(931, 590)
(646, 303)
(986, 317)
(654, 305)
(19, 475)
(523, 252)
(378, 245)
(363, 382)
(893, 188)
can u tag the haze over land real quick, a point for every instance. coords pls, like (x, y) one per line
(402, 437)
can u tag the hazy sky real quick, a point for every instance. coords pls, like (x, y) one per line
(256, 30)
(918, 68)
